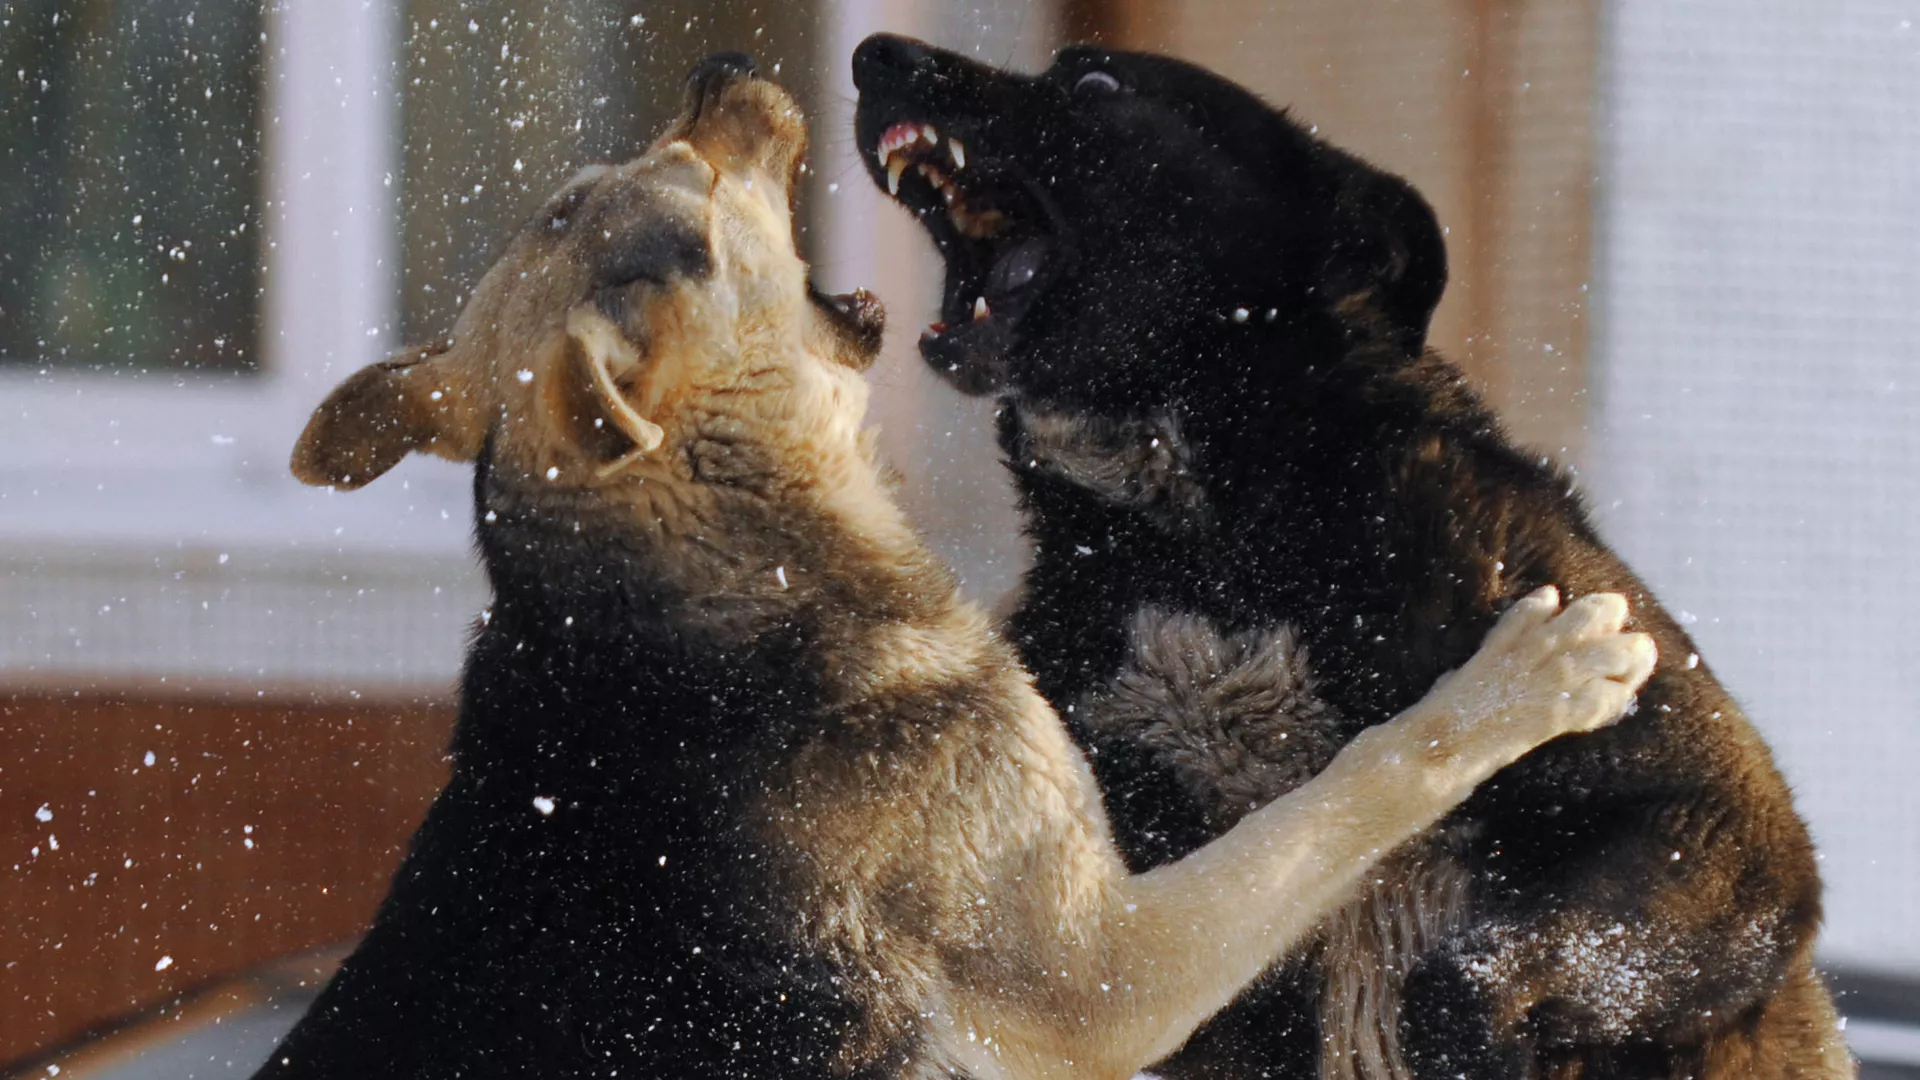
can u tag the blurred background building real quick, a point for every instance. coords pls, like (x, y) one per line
(1685, 238)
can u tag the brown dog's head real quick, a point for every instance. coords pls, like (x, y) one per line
(647, 314)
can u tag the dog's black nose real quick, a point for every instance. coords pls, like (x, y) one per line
(717, 70)
(889, 54)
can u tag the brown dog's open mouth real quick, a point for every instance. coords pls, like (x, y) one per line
(991, 223)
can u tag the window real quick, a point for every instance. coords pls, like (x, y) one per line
(166, 588)
(129, 186)
(278, 159)
(499, 109)
(148, 529)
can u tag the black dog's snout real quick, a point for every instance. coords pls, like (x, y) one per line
(889, 55)
(716, 71)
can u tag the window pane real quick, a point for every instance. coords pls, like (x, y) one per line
(129, 180)
(504, 102)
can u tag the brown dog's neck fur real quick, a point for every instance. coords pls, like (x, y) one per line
(834, 560)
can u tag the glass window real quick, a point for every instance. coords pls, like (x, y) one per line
(499, 109)
(129, 184)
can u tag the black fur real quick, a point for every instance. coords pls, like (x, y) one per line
(1642, 895)
(633, 930)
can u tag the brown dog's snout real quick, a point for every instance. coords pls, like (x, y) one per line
(862, 322)
(738, 121)
(708, 83)
(715, 72)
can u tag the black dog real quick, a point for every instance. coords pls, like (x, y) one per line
(1236, 456)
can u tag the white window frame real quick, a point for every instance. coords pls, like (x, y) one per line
(146, 519)
(151, 536)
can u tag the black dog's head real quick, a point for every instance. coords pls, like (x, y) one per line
(1095, 214)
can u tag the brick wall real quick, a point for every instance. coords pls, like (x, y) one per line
(149, 846)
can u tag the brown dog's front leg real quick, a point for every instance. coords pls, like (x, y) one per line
(1180, 941)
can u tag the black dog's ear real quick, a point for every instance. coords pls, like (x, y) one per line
(1389, 261)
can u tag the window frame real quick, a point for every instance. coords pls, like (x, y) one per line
(152, 539)
(327, 162)
(127, 481)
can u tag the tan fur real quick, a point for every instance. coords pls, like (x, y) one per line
(1142, 463)
(1794, 1036)
(1237, 719)
(942, 838)
(1234, 715)
(1410, 903)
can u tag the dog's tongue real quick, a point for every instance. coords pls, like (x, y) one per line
(1016, 268)
(1004, 294)
(969, 347)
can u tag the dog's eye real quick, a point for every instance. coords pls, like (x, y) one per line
(1096, 82)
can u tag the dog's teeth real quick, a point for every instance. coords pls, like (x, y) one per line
(896, 137)
(980, 309)
(895, 166)
(958, 153)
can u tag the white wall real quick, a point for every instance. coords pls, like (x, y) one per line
(1757, 397)
(942, 443)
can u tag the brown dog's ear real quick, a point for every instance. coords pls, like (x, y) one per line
(417, 399)
(610, 366)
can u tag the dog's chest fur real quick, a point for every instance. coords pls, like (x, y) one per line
(1235, 717)
(1143, 464)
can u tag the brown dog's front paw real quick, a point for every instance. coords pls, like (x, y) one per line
(1542, 672)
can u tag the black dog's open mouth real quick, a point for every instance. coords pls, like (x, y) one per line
(993, 226)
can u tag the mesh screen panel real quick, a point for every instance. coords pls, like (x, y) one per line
(1759, 313)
